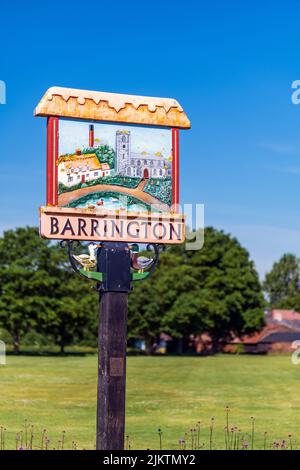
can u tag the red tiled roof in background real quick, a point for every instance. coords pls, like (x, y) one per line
(280, 315)
(264, 333)
(278, 321)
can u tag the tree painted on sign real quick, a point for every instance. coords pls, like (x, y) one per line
(105, 154)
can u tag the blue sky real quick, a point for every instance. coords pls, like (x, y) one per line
(230, 65)
(75, 134)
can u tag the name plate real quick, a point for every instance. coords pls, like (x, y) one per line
(102, 225)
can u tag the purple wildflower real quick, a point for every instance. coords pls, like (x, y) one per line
(245, 445)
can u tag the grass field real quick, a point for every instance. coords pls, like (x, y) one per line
(171, 393)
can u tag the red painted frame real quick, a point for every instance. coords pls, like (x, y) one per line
(52, 163)
(175, 169)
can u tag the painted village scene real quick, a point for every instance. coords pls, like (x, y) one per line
(114, 167)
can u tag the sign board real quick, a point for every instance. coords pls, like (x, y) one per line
(84, 224)
(109, 154)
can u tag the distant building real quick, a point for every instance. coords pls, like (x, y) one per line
(284, 316)
(81, 168)
(142, 165)
(281, 330)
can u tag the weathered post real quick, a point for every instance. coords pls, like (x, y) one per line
(111, 371)
(114, 263)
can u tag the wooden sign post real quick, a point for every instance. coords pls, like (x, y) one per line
(113, 181)
(114, 259)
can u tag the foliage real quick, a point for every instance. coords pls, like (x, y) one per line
(75, 306)
(38, 289)
(105, 154)
(128, 182)
(161, 188)
(213, 290)
(114, 180)
(62, 188)
(25, 263)
(282, 283)
(234, 439)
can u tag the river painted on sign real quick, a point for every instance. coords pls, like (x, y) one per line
(110, 201)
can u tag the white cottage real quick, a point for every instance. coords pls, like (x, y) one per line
(81, 168)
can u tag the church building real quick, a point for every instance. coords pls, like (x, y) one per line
(141, 165)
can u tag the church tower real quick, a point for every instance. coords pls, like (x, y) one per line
(122, 151)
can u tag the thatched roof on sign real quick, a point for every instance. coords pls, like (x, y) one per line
(84, 162)
(102, 106)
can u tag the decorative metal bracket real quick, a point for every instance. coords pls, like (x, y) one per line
(141, 267)
(91, 275)
(139, 276)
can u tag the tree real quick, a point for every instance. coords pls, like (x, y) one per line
(213, 290)
(152, 298)
(38, 290)
(24, 282)
(283, 281)
(75, 305)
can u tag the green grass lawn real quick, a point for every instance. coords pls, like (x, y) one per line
(171, 393)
